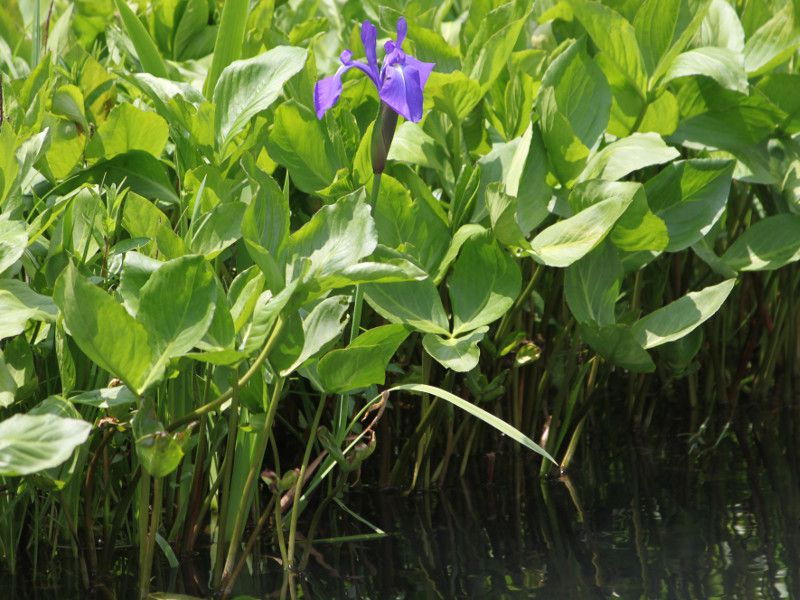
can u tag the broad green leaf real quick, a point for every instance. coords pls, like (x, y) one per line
(336, 237)
(615, 37)
(680, 317)
(654, 25)
(409, 226)
(218, 229)
(390, 270)
(299, 142)
(503, 216)
(490, 49)
(477, 412)
(412, 145)
(129, 128)
(591, 286)
(105, 398)
(413, 303)
(690, 197)
(725, 66)
(246, 87)
(363, 362)
(774, 43)
(460, 354)
(265, 314)
(575, 102)
(104, 331)
(176, 306)
(766, 245)
(629, 154)
(158, 451)
(721, 28)
(453, 93)
(321, 326)
(33, 443)
(146, 50)
(137, 170)
(616, 343)
(68, 102)
(13, 241)
(19, 304)
(229, 43)
(266, 219)
(639, 229)
(484, 284)
(569, 240)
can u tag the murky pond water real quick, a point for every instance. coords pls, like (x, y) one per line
(679, 517)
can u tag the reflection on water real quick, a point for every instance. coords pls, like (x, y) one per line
(631, 521)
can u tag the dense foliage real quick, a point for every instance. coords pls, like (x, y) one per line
(212, 304)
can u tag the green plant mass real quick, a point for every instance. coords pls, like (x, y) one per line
(257, 254)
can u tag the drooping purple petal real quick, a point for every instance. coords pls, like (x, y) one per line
(369, 37)
(423, 68)
(327, 92)
(402, 91)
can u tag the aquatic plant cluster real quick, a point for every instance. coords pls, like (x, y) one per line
(238, 278)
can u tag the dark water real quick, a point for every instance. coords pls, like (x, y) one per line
(679, 517)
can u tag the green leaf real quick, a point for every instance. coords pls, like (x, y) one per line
(33, 443)
(724, 66)
(129, 128)
(159, 452)
(460, 354)
(721, 28)
(412, 145)
(490, 49)
(322, 325)
(569, 240)
(680, 317)
(484, 284)
(246, 87)
(363, 362)
(618, 346)
(591, 286)
(690, 197)
(773, 43)
(266, 219)
(146, 50)
(13, 241)
(137, 170)
(639, 229)
(453, 93)
(176, 306)
(627, 155)
(299, 142)
(104, 331)
(766, 245)
(477, 412)
(615, 37)
(413, 303)
(218, 229)
(336, 237)
(409, 226)
(105, 398)
(575, 102)
(229, 43)
(19, 304)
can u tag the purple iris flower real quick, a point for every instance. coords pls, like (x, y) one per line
(400, 79)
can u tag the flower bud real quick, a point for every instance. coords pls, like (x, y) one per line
(382, 134)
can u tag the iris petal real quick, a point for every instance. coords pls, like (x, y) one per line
(402, 29)
(402, 91)
(369, 37)
(327, 92)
